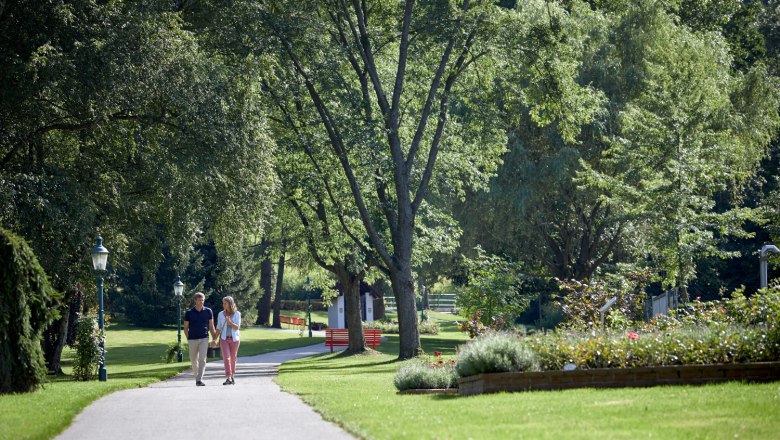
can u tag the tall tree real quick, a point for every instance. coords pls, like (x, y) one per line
(404, 95)
(694, 128)
(114, 118)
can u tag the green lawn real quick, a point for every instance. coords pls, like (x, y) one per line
(357, 393)
(133, 359)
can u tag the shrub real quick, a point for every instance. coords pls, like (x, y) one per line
(494, 291)
(386, 327)
(475, 326)
(581, 301)
(88, 355)
(496, 352)
(427, 327)
(319, 326)
(28, 302)
(171, 352)
(698, 313)
(683, 346)
(422, 373)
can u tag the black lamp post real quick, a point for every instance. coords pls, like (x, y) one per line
(422, 303)
(178, 290)
(308, 304)
(99, 260)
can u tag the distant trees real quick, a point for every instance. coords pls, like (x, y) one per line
(693, 128)
(628, 189)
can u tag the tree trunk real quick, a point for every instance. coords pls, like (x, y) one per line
(54, 341)
(266, 285)
(408, 332)
(56, 336)
(379, 302)
(277, 323)
(351, 285)
(403, 284)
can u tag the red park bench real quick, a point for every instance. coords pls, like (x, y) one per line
(339, 337)
(292, 320)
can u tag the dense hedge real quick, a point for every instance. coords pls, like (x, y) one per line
(26, 309)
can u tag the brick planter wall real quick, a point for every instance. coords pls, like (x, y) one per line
(619, 377)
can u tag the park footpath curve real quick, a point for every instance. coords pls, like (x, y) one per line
(254, 408)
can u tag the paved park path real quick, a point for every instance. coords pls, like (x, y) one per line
(253, 408)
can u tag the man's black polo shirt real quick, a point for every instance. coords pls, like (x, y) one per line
(199, 322)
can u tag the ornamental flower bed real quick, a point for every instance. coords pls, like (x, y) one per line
(736, 339)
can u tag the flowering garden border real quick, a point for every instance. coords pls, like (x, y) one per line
(618, 377)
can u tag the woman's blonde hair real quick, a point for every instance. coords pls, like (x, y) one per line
(232, 309)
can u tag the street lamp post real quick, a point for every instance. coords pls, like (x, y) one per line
(764, 260)
(422, 303)
(99, 260)
(308, 304)
(178, 290)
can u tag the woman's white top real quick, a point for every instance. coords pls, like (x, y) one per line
(223, 326)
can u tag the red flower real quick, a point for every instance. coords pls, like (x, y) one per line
(441, 361)
(437, 353)
(453, 361)
(632, 335)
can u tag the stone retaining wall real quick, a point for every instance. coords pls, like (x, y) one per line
(618, 377)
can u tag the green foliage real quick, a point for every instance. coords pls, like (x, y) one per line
(682, 346)
(27, 306)
(494, 291)
(87, 344)
(690, 128)
(726, 331)
(426, 373)
(581, 301)
(171, 352)
(427, 327)
(116, 115)
(496, 352)
(475, 327)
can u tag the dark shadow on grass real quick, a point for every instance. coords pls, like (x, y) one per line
(319, 367)
(444, 396)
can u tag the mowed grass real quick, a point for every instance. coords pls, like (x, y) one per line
(357, 393)
(133, 359)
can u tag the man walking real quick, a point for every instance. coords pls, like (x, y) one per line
(198, 323)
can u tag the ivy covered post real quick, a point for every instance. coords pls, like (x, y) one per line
(99, 260)
(27, 309)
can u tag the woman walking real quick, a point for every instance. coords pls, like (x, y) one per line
(228, 323)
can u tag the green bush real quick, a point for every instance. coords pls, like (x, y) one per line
(496, 352)
(681, 346)
(580, 301)
(475, 326)
(171, 352)
(734, 330)
(386, 327)
(422, 373)
(495, 292)
(27, 307)
(427, 327)
(88, 354)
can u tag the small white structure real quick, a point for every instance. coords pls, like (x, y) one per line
(665, 302)
(337, 316)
